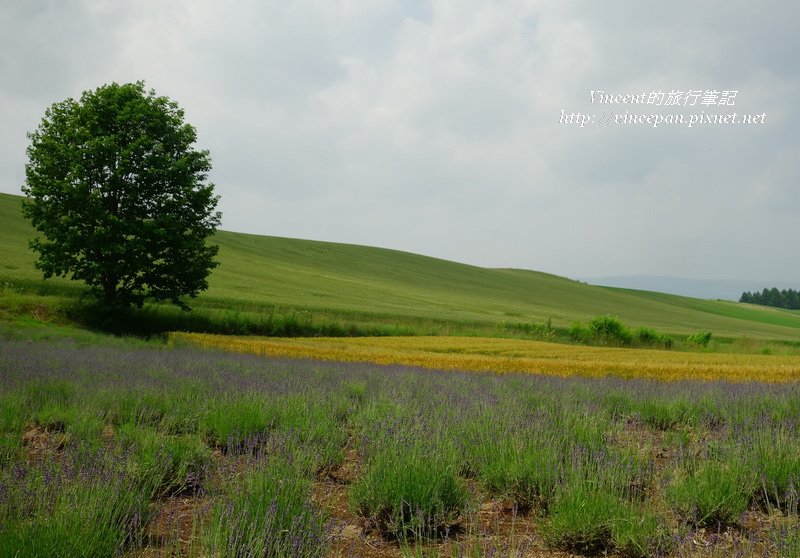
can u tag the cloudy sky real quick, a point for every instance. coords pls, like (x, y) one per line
(434, 127)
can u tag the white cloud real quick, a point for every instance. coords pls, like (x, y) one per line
(433, 127)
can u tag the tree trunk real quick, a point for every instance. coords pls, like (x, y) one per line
(110, 290)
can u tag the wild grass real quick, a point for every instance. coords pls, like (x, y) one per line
(270, 286)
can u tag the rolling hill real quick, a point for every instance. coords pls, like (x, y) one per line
(379, 285)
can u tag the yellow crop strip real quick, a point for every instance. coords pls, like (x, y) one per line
(513, 355)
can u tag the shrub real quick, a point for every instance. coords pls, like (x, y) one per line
(702, 338)
(610, 328)
(349, 399)
(41, 393)
(649, 336)
(85, 521)
(543, 330)
(579, 332)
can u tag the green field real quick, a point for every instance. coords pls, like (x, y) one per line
(122, 446)
(351, 284)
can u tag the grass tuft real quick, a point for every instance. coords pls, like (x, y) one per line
(716, 494)
(266, 511)
(408, 493)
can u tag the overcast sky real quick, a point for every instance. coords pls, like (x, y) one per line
(434, 127)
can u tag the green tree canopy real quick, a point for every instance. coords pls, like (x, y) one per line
(773, 297)
(120, 196)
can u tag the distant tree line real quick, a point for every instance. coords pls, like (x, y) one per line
(773, 297)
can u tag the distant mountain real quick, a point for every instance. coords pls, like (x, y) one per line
(722, 289)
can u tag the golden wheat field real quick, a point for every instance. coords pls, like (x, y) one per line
(513, 355)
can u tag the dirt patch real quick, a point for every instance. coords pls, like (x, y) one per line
(42, 313)
(756, 534)
(174, 529)
(347, 533)
(108, 433)
(39, 443)
(346, 472)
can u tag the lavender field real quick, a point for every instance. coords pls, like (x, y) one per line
(135, 450)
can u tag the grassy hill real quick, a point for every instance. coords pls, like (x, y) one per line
(373, 285)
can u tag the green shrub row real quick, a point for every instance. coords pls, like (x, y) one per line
(609, 330)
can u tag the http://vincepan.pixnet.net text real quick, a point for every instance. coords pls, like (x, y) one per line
(690, 108)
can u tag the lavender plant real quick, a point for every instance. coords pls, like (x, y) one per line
(266, 511)
(591, 459)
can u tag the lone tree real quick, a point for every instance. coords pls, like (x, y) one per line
(120, 195)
